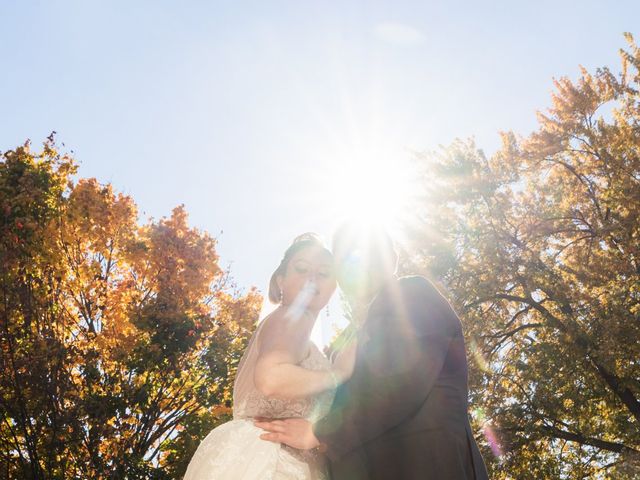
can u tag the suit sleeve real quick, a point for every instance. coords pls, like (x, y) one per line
(394, 370)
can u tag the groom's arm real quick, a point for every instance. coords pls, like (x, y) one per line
(395, 369)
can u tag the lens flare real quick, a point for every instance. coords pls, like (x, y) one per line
(489, 433)
(301, 302)
(492, 440)
(478, 357)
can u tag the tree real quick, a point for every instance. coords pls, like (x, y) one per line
(539, 248)
(118, 341)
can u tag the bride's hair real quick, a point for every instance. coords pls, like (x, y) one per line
(301, 242)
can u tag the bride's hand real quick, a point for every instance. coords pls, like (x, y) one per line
(344, 362)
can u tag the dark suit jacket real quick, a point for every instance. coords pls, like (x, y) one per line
(403, 414)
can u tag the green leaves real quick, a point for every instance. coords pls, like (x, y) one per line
(539, 248)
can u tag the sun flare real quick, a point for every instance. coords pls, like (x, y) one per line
(373, 189)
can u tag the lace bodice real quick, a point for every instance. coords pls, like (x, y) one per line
(235, 449)
(255, 404)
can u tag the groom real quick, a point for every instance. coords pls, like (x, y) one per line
(403, 413)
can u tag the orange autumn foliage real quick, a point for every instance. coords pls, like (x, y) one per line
(118, 341)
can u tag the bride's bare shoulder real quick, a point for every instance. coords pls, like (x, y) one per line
(274, 321)
(277, 331)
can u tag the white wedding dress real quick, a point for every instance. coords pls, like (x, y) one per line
(234, 451)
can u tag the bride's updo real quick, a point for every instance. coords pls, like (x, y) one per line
(301, 242)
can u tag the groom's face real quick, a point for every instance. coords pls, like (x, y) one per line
(365, 258)
(354, 273)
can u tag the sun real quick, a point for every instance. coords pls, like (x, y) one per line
(373, 188)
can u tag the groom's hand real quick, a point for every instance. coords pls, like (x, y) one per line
(295, 432)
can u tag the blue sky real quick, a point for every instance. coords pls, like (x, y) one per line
(250, 113)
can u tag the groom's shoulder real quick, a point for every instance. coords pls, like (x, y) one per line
(413, 280)
(428, 305)
(417, 285)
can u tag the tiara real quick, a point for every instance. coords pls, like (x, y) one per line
(308, 237)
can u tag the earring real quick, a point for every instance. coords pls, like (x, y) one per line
(281, 298)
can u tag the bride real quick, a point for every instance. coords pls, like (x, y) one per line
(282, 374)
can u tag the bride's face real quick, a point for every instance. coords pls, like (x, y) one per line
(310, 268)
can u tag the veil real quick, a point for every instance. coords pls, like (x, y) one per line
(244, 383)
